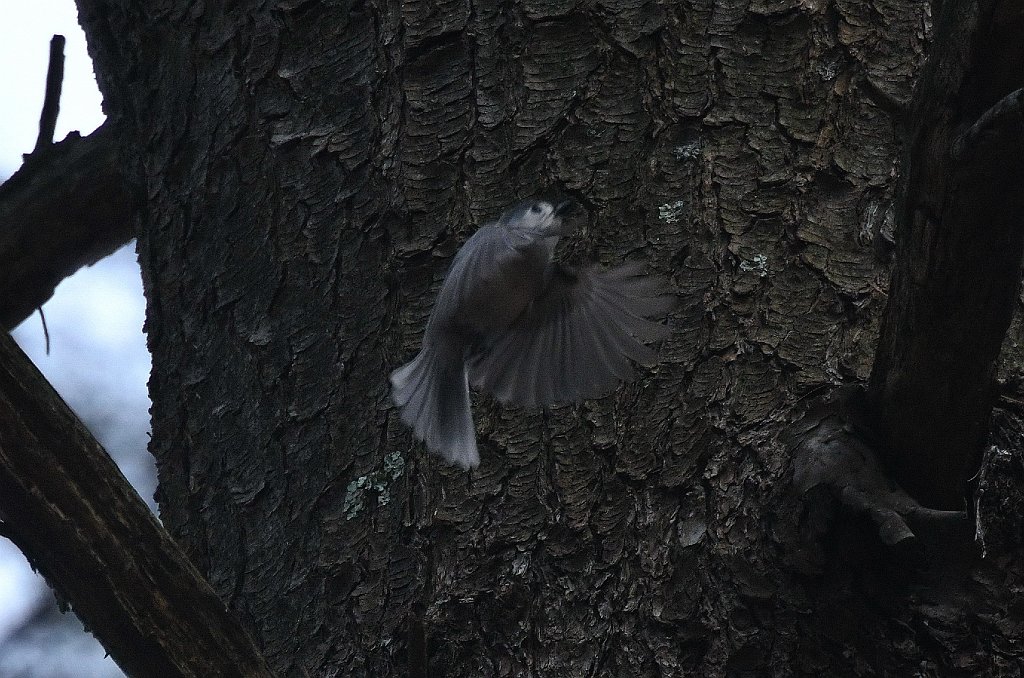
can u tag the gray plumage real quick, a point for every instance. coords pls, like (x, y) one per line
(513, 322)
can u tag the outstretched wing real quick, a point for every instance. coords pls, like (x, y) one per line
(575, 341)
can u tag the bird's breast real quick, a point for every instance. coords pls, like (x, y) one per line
(494, 303)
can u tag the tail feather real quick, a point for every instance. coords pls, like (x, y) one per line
(432, 394)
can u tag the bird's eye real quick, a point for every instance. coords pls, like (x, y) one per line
(535, 209)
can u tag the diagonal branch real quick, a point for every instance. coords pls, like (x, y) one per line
(69, 509)
(68, 206)
(959, 244)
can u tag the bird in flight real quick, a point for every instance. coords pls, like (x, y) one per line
(512, 321)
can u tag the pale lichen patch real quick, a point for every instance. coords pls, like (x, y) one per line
(379, 482)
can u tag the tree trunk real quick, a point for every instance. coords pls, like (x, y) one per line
(310, 169)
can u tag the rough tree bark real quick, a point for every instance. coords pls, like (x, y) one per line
(309, 169)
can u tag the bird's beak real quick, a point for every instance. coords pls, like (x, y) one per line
(565, 208)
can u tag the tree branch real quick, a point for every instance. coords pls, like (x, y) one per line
(67, 506)
(986, 139)
(829, 452)
(67, 207)
(51, 101)
(958, 254)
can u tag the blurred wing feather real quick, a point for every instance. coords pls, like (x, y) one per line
(576, 339)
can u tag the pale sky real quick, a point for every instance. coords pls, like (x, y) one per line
(26, 29)
(98, 360)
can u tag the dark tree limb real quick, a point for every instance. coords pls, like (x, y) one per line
(959, 243)
(51, 100)
(985, 138)
(69, 509)
(68, 206)
(830, 452)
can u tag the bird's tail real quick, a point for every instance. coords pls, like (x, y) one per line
(432, 394)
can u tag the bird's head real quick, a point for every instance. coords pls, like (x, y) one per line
(538, 217)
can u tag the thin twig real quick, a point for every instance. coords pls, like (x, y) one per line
(46, 331)
(51, 102)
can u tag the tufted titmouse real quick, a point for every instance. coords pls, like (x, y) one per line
(511, 321)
